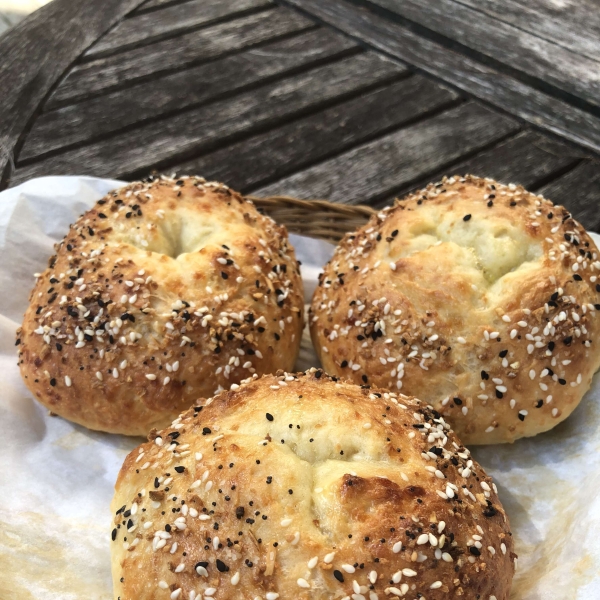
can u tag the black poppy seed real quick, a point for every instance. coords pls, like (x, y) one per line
(221, 566)
(467, 218)
(269, 416)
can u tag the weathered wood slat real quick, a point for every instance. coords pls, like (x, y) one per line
(527, 158)
(539, 58)
(37, 51)
(579, 191)
(278, 152)
(175, 139)
(375, 170)
(572, 25)
(100, 116)
(153, 4)
(480, 80)
(105, 74)
(171, 21)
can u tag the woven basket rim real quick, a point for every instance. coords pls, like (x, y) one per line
(361, 209)
(319, 219)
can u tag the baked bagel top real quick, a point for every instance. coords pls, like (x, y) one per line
(163, 292)
(477, 297)
(298, 486)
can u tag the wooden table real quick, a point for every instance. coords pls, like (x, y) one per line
(351, 100)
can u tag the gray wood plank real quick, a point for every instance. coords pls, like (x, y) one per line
(110, 113)
(153, 4)
(539, 58)
(175, 139)
(579, 191)
(278, 152)
(375, 170)
(171, 21)
(109, 73)
(528, 158)
(475, 78)
(574, 25)
(36, 52)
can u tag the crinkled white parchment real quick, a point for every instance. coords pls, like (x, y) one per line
(56, 478)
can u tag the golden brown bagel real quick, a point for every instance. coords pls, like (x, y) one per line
(163, 292)
(477, 297)
(305, 487)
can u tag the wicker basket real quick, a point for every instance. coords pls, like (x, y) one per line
(314, 218)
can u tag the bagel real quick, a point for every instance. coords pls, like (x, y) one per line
(481, 298)
(302, 486)
(163, 292)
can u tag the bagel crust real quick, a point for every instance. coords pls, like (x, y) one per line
(305, 487)
(480, 298)
(163, 292)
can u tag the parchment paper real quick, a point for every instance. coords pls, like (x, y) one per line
(56, 478)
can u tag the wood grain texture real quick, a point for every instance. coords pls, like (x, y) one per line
(579, 191)
(37, 51)
(102, 115)
(527, 158)
(105, 74)
(519, 49)
(154, 4)
(375, 170)
(281, 151)
(178, 138)
(572, 24)
(477, 79)
(171, 21)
